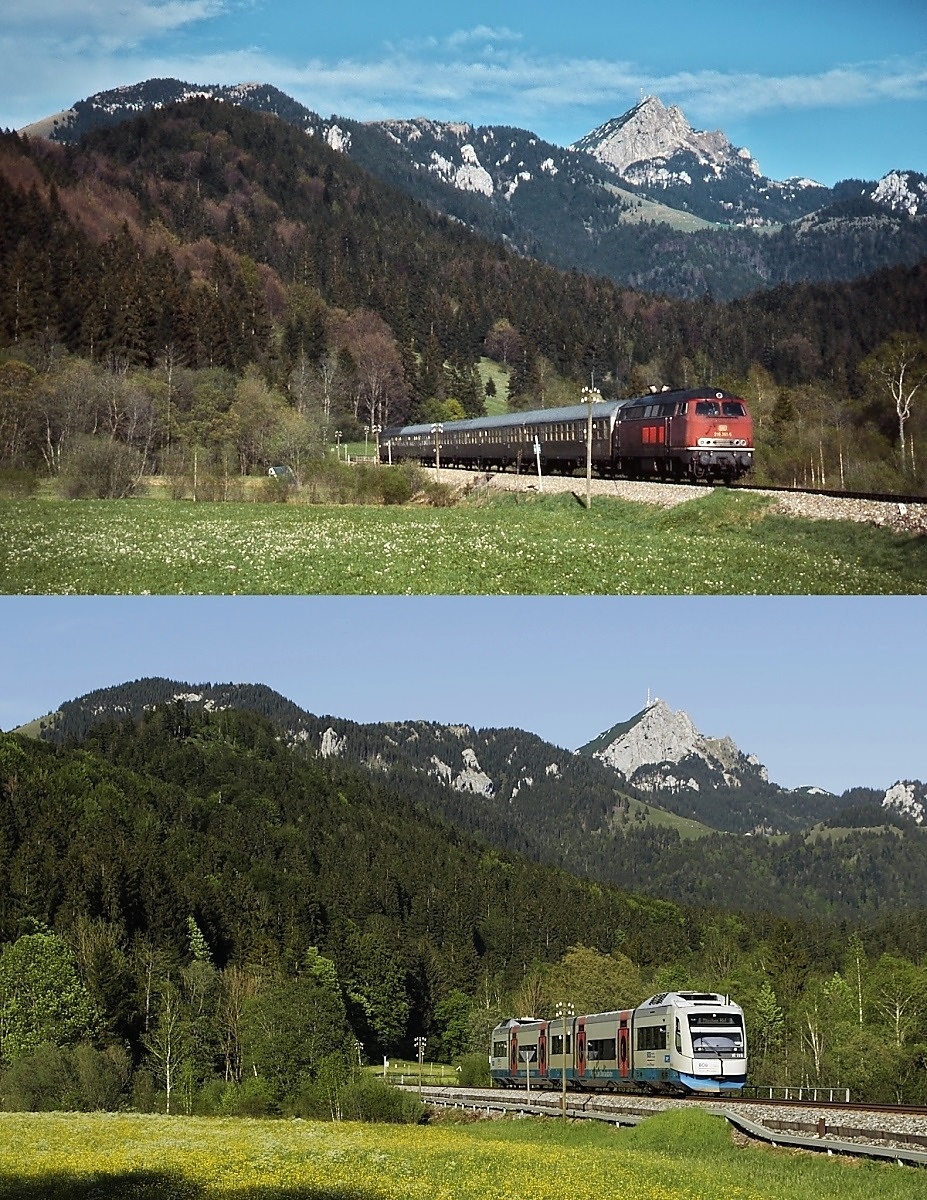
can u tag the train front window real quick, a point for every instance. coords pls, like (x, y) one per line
(733, 408)
(708, 408)
(718, 1035)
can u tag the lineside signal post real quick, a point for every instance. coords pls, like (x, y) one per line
(565, 1013)
(590, 396)
(420, 1043)
(526, 1055)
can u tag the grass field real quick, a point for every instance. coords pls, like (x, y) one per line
(723, 543)
(677, 1156)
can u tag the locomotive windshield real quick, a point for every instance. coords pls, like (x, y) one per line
(719, 408)
(717, 1034)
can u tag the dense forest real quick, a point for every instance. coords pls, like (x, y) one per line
(193, 913)
(209, 282)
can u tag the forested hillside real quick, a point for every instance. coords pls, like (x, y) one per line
(837, 857)
(211, 282)
(664, 226)
(188, 906)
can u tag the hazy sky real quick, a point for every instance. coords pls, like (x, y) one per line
(831, 89)
(824, 691)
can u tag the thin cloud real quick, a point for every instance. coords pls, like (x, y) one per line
(108, 23)
(482, 74)
(720, 95)
(530, 87)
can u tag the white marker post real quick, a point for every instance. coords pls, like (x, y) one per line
(526, 1056)
(537, 456)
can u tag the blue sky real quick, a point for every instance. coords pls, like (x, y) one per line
(832, 89)
(824, 691)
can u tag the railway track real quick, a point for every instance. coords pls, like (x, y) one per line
(901, 514)
(835, 493)
(889, 1132)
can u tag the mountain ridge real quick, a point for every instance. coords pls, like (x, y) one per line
(657, 753)
(573, 210)
(842, 857)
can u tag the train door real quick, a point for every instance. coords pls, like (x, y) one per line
(581, 1048)
(624, 1045)
(676, 428)
(542, 1051)
(513, 1054)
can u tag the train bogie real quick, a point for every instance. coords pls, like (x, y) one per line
(674, 1042)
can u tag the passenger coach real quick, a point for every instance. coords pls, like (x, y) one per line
(700, 433)
(673, 1042)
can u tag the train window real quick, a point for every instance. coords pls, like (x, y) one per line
(598, 1049)
(708, 408)
(733, 408)
(500, 1050)
(556, 1043)
(651, 1037)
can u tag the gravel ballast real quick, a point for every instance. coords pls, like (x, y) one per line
(899, 517)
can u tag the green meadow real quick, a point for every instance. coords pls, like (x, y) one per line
(681, 1155)
(722, 543)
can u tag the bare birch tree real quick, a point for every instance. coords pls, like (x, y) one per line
(900, 364)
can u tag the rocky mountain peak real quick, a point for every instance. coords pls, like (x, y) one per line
(650, 134)
(901, 191)
(660, 748)
(909, 798)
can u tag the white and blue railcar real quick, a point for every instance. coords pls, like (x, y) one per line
(673, 1042)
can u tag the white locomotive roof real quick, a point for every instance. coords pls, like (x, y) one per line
(686, 1000)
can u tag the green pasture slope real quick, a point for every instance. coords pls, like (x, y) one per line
(722, 543)
(681, 1155)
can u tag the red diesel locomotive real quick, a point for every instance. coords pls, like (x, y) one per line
(693, 434)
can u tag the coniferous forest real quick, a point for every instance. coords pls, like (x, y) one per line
(208, 281)
(197, 914)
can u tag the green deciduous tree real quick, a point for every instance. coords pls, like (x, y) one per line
(376, 990)
(291, 1027)
(452, 1018)
(42, 1000)
(594, 982)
